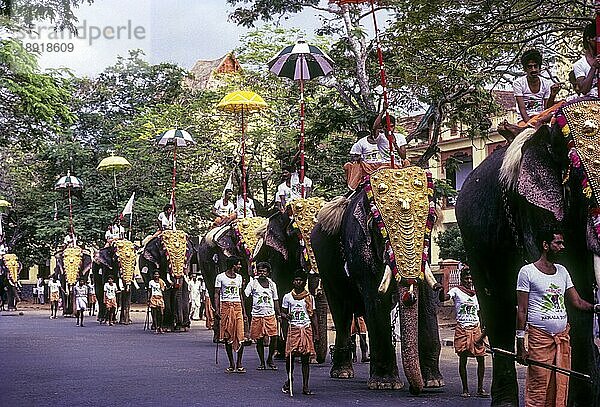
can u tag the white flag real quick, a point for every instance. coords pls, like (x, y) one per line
(129, 207)
(229, 185)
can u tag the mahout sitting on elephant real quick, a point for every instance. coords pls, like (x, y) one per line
(358, 251)
(72, 263)
(548, 177)
(170, 253)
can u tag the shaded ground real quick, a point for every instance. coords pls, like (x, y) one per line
(53, 362)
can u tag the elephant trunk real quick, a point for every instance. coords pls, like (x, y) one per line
(409, 319)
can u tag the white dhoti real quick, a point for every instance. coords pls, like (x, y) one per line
(81, 303)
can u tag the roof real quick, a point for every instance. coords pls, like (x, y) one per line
(203, 71)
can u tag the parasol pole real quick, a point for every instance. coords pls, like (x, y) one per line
(244, 192)
(301, 174)
(388, 125)
(597, 4)
(173, 181)
(71, 230)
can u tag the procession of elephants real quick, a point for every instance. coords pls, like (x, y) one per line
(367, 251)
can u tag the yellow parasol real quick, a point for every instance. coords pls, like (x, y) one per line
(242, 101)
(115, 164)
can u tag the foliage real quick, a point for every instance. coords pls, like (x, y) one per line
(26, 12)
(451, 244)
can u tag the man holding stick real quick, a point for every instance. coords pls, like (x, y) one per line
(541, 290)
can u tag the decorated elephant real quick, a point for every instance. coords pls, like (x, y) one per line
(285, 244)
(170, 254)
(544, 178)
(10, 267)
(117, 259)
(363, 244)
(72, 263)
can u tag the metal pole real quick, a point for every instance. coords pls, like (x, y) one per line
(388, 125)
(71, 229)
(173, 181)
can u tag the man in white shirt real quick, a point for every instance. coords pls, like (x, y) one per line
(372, 151)
(239, 207)
(166, 219)
(468, 335)
(284, 192)
(231, 312)
(297, 186)
(265, 307)
(224, 209)
(586, 68)
(542, 287)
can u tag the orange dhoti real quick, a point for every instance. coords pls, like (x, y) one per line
(356, 171)
(232, 324)
(54, 296)
(542, 117)
(261, 327)
(358, 326)
(208, 310)
(543, 387)
(157, 301)
(465, 340)
(299, 341)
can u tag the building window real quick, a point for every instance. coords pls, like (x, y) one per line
(458, 168)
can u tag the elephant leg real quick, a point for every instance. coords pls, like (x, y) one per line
(429, 338)
(383, 365)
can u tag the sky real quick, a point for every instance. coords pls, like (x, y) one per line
(177, 31)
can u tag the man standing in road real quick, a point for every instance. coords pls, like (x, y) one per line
(80, 293)
(468, 336)
(230, 309)
(265, 306)
(541, 290)
(54, 289)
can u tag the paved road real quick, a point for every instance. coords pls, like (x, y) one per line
(53, 362)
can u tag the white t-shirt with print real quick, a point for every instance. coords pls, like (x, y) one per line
(110, 291)
(155, 288)
(166, 221)
(222, 209)
(239, 207)
(297, 186)
(297, 310)
(283, 191)
(534, 102)
(81, 291)
(377, 153)
(54, 287)
(581, 67)
(230, 287)
(546, 308)
(466, 306)
(263, 299)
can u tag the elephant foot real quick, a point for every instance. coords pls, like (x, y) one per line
(434, 383)
(342, 372)
(385, 383)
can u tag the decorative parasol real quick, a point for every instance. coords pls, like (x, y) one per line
(382, 75)
(176, 138)
(242, 101)
(301, 62)
(69, 182)
(115, 164)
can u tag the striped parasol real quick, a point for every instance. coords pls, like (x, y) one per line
(175, 138)
(69, 182)
(301, 62)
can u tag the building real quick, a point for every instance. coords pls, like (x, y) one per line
(205, 74)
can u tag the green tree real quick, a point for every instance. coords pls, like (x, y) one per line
(451, 244)
(26, 12)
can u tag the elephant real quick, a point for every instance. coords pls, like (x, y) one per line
(72, 263)
(283, 247)
(118, 260)
(545, 178)
(10, 267)
(349, 249)
(167, 254)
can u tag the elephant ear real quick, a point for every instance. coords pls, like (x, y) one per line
(104, 257)
(152, 251)
(540, 181)
(275, 234)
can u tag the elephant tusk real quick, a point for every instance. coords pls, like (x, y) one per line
(429, 278)
(169, 278)
(385, 280)
(136, 285)
(259, 245)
